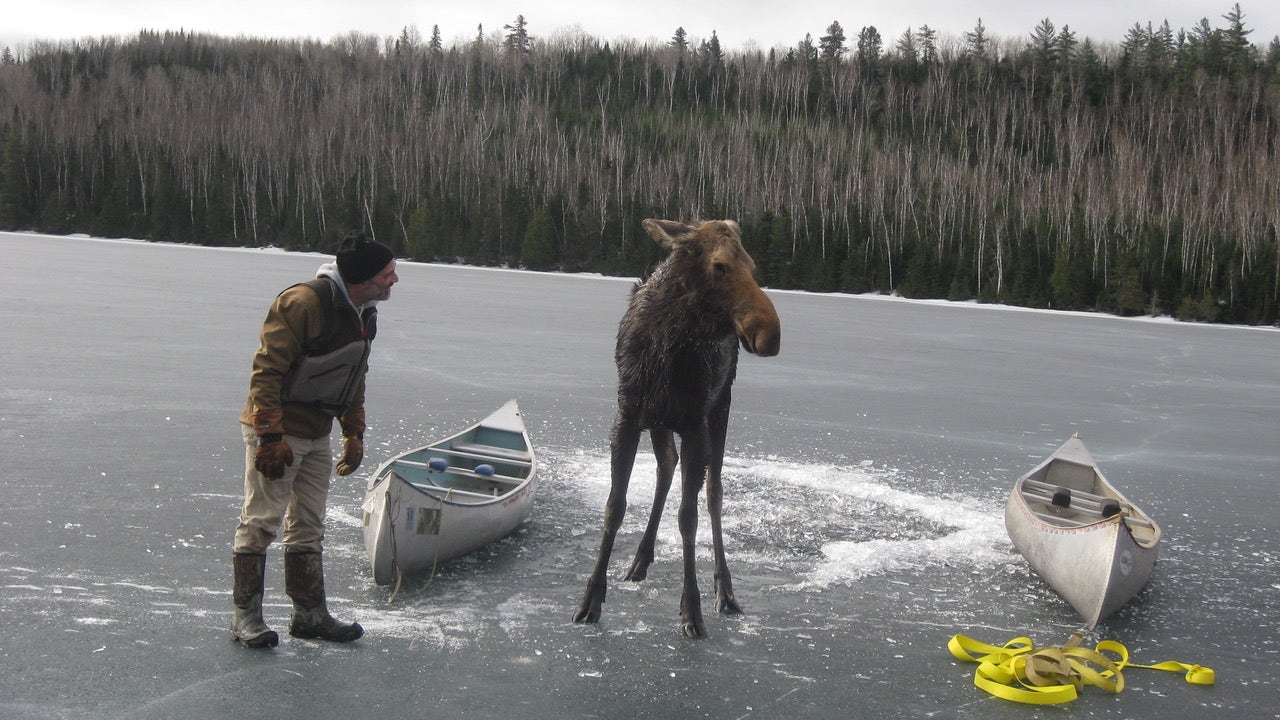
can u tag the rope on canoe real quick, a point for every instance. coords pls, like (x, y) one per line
(1018, 672)
(435, 561)
(389, 510)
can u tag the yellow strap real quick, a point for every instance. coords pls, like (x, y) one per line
(993, 679)
(1196, 674)
(1016, 671)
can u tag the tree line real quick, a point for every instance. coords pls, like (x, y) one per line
(1048, 171)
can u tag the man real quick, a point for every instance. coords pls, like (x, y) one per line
(309, 370)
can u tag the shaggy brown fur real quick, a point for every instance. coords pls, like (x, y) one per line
(677, 355)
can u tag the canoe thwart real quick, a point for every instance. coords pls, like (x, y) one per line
(1065, 497)
(489, 476)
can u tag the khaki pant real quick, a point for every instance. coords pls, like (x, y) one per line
(296, 501)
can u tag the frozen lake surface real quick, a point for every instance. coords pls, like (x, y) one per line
(866, 473)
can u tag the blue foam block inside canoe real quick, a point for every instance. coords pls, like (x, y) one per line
(484, 469)
(438, 464)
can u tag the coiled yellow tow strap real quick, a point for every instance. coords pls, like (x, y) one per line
(1021, 673)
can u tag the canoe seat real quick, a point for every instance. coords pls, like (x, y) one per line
(519, 457)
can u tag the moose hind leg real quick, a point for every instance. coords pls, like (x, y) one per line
(626, 438)
(664, 449)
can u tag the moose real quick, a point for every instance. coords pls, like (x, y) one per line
(677, 356)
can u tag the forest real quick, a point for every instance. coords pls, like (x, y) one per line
(1053, 171)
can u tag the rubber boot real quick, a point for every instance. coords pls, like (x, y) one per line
(304, 582)
(247, 626)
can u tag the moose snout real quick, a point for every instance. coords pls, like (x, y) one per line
(761, 334)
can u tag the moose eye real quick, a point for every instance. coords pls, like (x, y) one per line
(721, 268)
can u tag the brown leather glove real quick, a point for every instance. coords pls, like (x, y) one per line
(352, 454)
(353, 426)
(274, 454)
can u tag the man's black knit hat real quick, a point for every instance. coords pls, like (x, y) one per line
(360, 258)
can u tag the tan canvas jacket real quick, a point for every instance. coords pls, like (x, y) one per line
(308, 321)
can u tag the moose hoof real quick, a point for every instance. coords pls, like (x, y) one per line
(589, 610)
(691, 616)
(586, 616)
(729, 606)
(638, 572)
(693, 629)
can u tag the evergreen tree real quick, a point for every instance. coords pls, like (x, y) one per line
(518, 39)
(1069, 285)
(806, 51)
(680, 40)
(976, 41)
(927, 39)
(410, 39)
(1162, 45)
(1241, 57)
(435, 45)
(1136, 45)
(1272, 60)
(1127, 296)
(1090, 72)
(831, 46)
(906, 47)
(538, 250)
(1044, 47)
(1204, 49)
(15, 212)
(711, 50)
(870, 46)
(1149, 50)
(921, 277)
(1066, 44)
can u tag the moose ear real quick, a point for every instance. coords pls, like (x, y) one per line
(666, 232)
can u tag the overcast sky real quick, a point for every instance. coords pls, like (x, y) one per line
(738, 23)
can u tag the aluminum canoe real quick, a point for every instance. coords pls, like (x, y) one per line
(1092, 545)
(441, 501)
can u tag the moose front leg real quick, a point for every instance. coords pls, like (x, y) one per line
(626, 438)
(693, 471)
(726, 603)
(664, 449)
